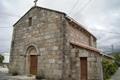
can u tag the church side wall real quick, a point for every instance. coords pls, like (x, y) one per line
(75, 52)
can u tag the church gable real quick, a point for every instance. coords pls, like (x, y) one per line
(37, 12)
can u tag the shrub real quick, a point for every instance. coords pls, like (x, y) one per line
(109, 68)
(1, 58)
(117, 59)
(15, 73)
(40, 77)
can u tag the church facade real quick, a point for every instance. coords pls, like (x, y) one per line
(49, 44)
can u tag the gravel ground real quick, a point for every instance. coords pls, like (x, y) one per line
(5, 76)
(3, 73)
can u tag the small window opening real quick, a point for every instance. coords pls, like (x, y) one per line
(30, 21)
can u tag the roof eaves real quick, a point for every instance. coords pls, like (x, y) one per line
(52, 10)
(85, 46)
(107, 55)
(74, 21)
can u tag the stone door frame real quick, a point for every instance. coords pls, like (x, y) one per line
(27, 59)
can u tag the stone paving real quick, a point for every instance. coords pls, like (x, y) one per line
(3, 73)
(3, 76)
(116, 76)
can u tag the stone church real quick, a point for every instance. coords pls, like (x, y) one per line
(50, 44)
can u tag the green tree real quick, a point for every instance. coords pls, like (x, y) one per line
(117, 59)
(109, 68)
(1, 58)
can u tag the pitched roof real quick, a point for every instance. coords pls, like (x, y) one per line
(85, 46)
(107, 56)
(80, 25)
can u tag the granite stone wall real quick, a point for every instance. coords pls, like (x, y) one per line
(46, 35)
(51, 35)
(73, 53)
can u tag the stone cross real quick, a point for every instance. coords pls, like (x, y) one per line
(35, 2)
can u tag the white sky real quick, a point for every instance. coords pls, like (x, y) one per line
(98, 16)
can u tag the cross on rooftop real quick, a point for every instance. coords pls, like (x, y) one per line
(35, 2)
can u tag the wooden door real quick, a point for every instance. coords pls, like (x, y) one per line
(83, 65)
(33, 64)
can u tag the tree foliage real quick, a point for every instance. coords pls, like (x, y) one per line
(1, 58)
(109, 68)
(117, 59)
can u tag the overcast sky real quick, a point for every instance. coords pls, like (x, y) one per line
(100, 17)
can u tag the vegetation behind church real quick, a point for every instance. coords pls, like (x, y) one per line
(109, 68)
(1, 58)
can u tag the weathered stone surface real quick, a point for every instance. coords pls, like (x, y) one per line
(51, 35)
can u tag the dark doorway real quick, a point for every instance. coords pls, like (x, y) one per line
(83, 65)
(33, 64)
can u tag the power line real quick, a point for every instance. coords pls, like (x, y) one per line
(105, 31)
(90, 28)
(84, 6)
(77, 1)
(5, 27)
(8, 14)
